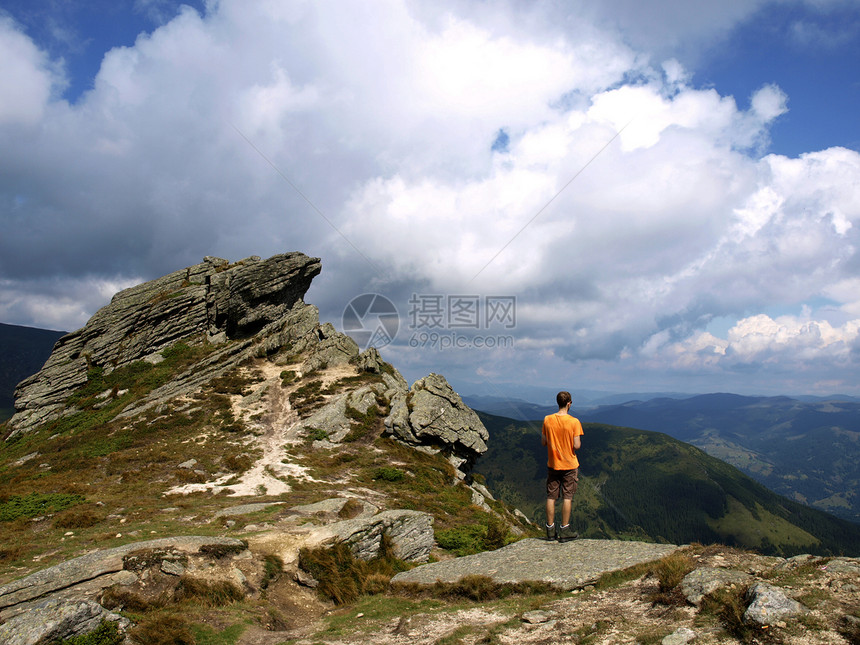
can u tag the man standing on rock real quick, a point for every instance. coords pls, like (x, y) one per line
(561, 435)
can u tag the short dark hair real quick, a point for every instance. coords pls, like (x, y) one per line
(562, 398)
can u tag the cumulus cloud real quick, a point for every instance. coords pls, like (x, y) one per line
(27, 77)
(627, 209)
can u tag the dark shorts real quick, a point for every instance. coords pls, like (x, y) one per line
(561, 480)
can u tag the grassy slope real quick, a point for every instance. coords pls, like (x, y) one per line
(638, 484)
(105, 479)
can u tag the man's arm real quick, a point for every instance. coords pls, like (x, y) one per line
(577, 442)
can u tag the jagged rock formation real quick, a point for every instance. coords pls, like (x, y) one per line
(296, 394)
(213, 299)
(433, 417)
(249, 308)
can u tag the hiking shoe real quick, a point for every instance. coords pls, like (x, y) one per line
(550, 533)
(566, 534)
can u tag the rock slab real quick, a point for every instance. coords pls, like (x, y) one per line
(56, 620)
(90, 566)
(567, 566)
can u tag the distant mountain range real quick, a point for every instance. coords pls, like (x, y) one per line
(806, 448)
(808, 451)
(23, 351)
(636, 484)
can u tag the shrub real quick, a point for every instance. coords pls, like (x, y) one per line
(77, 520)
(476, 588)
(389, 474)
(670, 571)
(124, 599)
(272, 568)
(107, 633)
(209, 593)
(217, 551)
(462, 540)
(237, 463)
(363, 423)
(728, 606)
(316, 434)
(163, 629)
(10, 553)
(343, 578)
(350, 509)
(36, 504)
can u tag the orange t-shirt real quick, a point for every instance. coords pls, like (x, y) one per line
(559, 430)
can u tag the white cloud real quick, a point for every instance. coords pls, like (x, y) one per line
(26, 77)
(384, 115)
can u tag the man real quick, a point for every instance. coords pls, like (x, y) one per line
(561, 435)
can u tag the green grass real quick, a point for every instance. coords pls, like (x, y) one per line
(205, 635)
(36, 504)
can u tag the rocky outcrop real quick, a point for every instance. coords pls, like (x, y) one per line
(247, 309)
(95, 565)
(411, 534)
(213, 300)
(433, 417)
(55, 620)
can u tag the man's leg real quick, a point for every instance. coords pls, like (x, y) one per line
(551, 531)
(565, 511)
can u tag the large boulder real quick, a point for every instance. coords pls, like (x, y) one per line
(705, 580)
(433, 417)
(411, 534)
(768, 605)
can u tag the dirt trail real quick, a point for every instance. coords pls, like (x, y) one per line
(277, 427)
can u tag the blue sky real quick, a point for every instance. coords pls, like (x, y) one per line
(668, 191)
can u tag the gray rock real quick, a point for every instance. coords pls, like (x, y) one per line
(334, 349)
(768, 604)
(370, 361)
(567, 566)
(55, 620)
(434, 416)
(844, 565)
(411, 533)
(699, 583)
(214, 299)
(306, 580)
(332, 418)
(681, 636)
(172, 568)
(91, 566)
(536, 617)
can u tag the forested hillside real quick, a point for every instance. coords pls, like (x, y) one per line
(807, 451)
(23, 350)
(647, 485)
